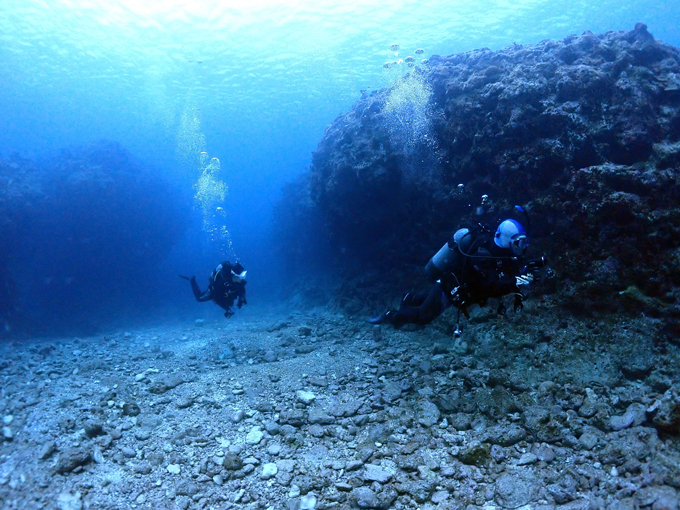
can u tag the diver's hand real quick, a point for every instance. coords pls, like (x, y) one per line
(524, 279)
(187, 278)
(518, 305)
(229, 313)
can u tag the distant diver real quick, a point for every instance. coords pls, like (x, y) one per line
(469, 269)
(226, 284)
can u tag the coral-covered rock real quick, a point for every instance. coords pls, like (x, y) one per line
(585, 132)
(667, 412)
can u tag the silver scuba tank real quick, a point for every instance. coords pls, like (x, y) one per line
(447, 257)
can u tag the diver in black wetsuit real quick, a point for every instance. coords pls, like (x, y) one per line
(470, 269)
(226, 284)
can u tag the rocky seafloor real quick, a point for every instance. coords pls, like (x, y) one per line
(319, 410)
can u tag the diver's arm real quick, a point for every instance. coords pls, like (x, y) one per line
(242, 296)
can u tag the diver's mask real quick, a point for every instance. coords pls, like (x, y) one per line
(238, 277)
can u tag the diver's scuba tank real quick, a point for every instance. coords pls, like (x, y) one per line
(450, 255)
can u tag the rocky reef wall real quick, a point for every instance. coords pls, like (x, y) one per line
(584, 132)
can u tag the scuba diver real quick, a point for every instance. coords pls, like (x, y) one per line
(227, 283)
(469, 269)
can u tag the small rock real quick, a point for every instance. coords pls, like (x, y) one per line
(667, 412)
(7, 433)
(636, 414)
(375, 473)
(199, 323)
(184, 402)
(515, 489)
(68, 501)
(588, 440)
(365, 498)
(590, 404)
(237, 416)
(545, 453)
(345, 409)
(142, 434)
(321, 382)
(308, 502)
(305, 397)
(660, 497)
(320, 417)
(353, 465)
(165, 384)
(636, 368)
(475, 454)
(232, 462)
(254, 436)
(621, 422)
(527, 458)
(570, 440)
(316, 430)
(143, 468)
(131, 409)
(47, 450)
(97, 455)
(155, 458)
(71, 458)
(497, 453)
(128, 452)
(439, 497)
(429, 414)
(546, 387)
(94, 428)
(269, 470)
(174, 469)
(285, 465)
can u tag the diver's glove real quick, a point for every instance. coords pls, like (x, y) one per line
(228, 313)
(240, 303)
(524, 279)
(518, 305)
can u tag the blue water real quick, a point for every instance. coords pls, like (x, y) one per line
(262, 79)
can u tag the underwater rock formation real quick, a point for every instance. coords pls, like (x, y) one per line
(584, 132)
(82, 234)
